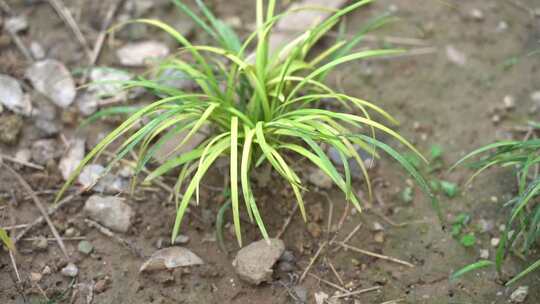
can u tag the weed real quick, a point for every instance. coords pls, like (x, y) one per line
(522, 230)
(260, 107)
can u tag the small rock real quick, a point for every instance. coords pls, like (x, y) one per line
(254, 262)
(502, 26)
(10, 126)
(85, 247)
(107, 82)
(485, 225)
(455, 56)
(90, 175)
(16, 24)
(101, 285)
(378, 227)
(285, 267)
(37, 50)
(509, 102)
(169, 258)
(110, 211)
(477, 14)
(40, 244)
(46, 270)
(47, 127)
(181, 239)
(87, 103)
(139, 53)
(520, 294)
(318, 178)
(12, 97)
(301, 294)
(321, 297)
(496, 119)
(484, 254)
(70, 270)
(287, 256)
(23, 155)
(52, 79)
(535, 97)
(314, 229)
(35, 277)
(495, 242)
(72, 158)
(175, 79)
(43, 150)
(70, 232)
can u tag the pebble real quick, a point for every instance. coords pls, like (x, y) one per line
(35, 277)
(509, 102)
(43, 150)
(477, 14)
(484, 254)
(90, 175)
(70, 232)
(46, 127)
(87, 103)
(318, 178)
(301, 294)
(254, 262)
(502, 26)
(496, 119)
(378, 227)
(23, 155)
(37, 50)
(485, 225)
(107, 82)
(12, 96)
(11, 126)
(72, 157)
(101, 285)
(520, 294)
(379, 237)
(535, 97)
(16, 24)
(85, 247)
(40, 244)
(495, 242)
(70, 270)
(455, 56)
(321, 297)
(52, 79)
(181, 239)
(137, 54)
(110, 211)
(170, 258)
(175, 79)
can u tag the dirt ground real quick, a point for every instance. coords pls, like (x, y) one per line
(436, 100)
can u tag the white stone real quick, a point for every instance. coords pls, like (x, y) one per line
(72, 158)
(110, 211)
(12, 96)
(52, 79)
(140, 53)
(455, 56)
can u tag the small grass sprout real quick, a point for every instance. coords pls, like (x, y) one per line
(261, 106)
(522, 230)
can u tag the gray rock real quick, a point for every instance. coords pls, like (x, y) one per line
(37, 50)
(520, 294)
(87, 103)
(181, 239)
(70, 270)
(10, 126)
(40, 244)
(85, 247)
(301, 294)
(90, 175)
(169, 258)
(12, 97)
(16, 24)
(320, 179)
(47, 127)
(72, 158)
(110, 211)
(139, 53)
(175, 79)
(107, 82)
(455, 56)
(52, 79)
(43, 150)
(23, 155)
(254, 262)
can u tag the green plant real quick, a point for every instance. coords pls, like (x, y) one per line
(6, 240)
(523, 226)
(260, 107)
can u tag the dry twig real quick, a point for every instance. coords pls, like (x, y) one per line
(114, 236)
(287, 222)
(313, 259)
(376, 255)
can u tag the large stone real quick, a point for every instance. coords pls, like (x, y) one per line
(254, 262)
(52, 79)
(110, 211)
(169, 258)
(12, 97)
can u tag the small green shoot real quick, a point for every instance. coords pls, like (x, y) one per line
(449, 189)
